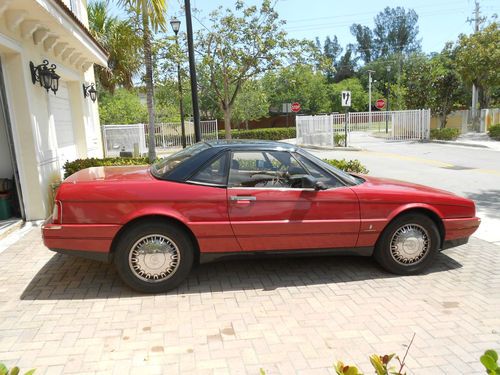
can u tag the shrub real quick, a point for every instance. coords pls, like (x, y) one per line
(445, 134)
(268, 134)
(71, 167)
(494, 132)
(352, 166)
(339, 139)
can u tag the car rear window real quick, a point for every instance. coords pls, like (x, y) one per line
(167, 164)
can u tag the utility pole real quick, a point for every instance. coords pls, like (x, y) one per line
(478, 20)
(192, 71)
(370, 96)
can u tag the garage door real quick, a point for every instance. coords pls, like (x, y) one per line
(60, 109)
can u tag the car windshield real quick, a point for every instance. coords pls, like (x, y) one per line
(346, 177)
(167, 164)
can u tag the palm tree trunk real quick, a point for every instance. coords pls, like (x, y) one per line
(146, 37)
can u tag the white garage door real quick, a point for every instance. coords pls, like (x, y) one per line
(60, 109)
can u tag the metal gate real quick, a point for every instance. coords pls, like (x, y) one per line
(168, 136)
(397, 125)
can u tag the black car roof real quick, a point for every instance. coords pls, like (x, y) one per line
(250, 144)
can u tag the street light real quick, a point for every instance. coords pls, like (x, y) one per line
(388, 96)
(176, 25)
(370, 96)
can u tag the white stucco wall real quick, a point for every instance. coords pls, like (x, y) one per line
(34, 131)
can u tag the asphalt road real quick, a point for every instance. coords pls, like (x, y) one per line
(469, 171)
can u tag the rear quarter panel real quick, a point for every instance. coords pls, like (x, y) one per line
(202, 209)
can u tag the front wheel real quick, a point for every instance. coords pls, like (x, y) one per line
(408, 244)
(154, 257)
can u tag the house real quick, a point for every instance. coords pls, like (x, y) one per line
(46, 64)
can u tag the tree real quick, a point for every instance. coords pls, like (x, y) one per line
(240, 45)
(251, 103)
(152, 17)
(359, 97)
(364, 39)
(345, 68)
(329, 54)
(477, 61)
(445, 83)
(395, 32)
(123, 107)
(120, 39)
(418, 81)
(298, 83)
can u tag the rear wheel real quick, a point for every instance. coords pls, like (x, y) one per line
(154, 257)
(408, 244)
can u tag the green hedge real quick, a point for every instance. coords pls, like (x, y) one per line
(494, 132)
(72, 167)
(269, 134)
(353, 166)
(446, 134)
(78, 164)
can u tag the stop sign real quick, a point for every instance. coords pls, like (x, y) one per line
(295, 107)
(380, 103)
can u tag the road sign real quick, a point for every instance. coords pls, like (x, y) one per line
(346, 98)
(296, 107)
(380, 103)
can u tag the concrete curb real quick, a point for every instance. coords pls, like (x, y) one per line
(454, 143)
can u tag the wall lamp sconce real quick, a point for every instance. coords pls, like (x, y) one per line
(89, 91)
(47, 77)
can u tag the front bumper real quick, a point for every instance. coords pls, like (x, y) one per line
(87, 240)
(460, 228)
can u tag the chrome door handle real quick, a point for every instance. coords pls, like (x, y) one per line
(242, 198)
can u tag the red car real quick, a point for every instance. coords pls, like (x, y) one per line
(224, 198)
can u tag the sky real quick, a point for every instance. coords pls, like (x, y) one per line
(439, 20)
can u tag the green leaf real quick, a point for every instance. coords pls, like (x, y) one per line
(351, 370)
(3, 369)
(377, 364)
(488, 362)
(30, 372)
(493, 354)
(262, 371)
(14, 371)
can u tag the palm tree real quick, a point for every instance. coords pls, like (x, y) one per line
(152, 15)
(120, 38)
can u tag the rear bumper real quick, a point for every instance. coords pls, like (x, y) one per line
(88, 240)
(460, 228)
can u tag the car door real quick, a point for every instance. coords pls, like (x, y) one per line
(268, 210)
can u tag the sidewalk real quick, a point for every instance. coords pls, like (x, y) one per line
(474, 140)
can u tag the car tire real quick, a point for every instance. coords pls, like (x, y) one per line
(408, 244)
(154, 257)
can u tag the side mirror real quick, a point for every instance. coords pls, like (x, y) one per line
(309, 182)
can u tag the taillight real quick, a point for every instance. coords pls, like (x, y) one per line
(57, 213)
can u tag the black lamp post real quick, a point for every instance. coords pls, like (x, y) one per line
(192, 71)
(388, 96)
(176, 24)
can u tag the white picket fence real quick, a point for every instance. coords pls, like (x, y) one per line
(134, 137)
(397, 125)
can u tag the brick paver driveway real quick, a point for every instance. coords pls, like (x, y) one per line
(66, 315)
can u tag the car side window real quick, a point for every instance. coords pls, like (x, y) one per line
(318, 173)
(214, 173)
(273, 169)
